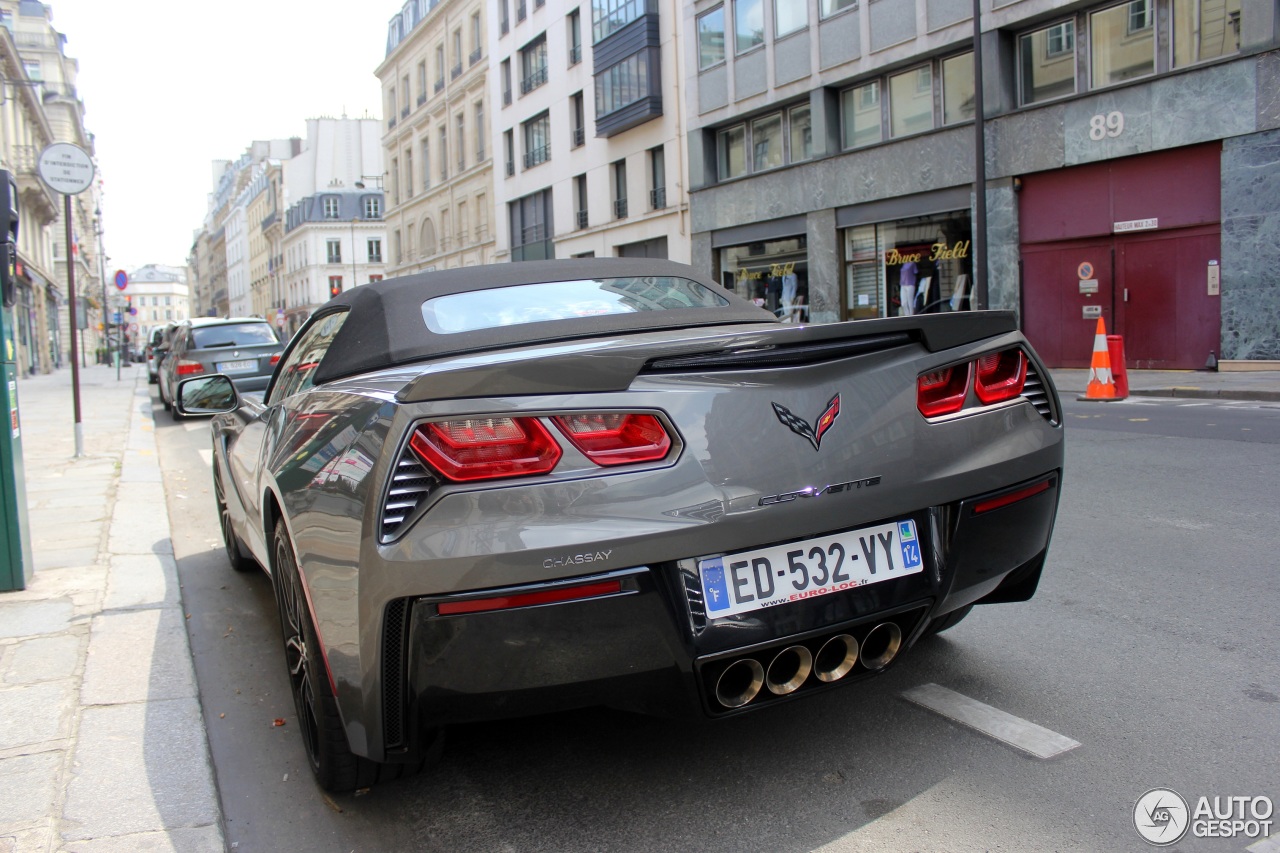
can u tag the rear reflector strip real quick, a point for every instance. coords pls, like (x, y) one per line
(529, 599)
(1012, 497)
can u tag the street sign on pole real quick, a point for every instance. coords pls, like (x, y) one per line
(122, 279)
(68, 169)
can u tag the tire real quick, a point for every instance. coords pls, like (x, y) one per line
(336, 767)
(950, 620)
(176, 415)
(237, 554)
(164, 401)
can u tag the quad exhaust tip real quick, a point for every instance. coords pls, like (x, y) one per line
(740, 682)
(788, 670)
(836, 658)
(881, 645)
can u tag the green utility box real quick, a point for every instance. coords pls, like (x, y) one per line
(16, 565)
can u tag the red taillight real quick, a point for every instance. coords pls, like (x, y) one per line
(486, 448)
(616, 438)
(275, 359)
(188, 368)
(1000, 376)
(528, 599)
(942, 392)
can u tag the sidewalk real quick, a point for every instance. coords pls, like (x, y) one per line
(103, 747)
(1261, 385)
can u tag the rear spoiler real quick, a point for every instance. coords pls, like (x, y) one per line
(612, 364)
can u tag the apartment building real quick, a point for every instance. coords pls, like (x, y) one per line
(589, 129)
(832, 160)
(436, 147)
(334, 232)
(159, 294)
(40, 106)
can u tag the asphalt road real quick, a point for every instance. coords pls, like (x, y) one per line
(1152, 642)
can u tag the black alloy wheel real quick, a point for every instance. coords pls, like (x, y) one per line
(237, 555)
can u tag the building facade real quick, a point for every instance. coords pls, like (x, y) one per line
(334, 234)
(436, 146)
(590, 130)
(158, 294)
(40, 106)
(1132, 162)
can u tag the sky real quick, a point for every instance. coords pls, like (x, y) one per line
(169, 87)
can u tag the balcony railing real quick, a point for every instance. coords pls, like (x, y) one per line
(391, 122)
(533, 81)
(582, 219)
(579, 137)
(522, 11)
(506, 97)
(532, 234)
(620, 209)
(511, 168)
(455, 72)
(575, 54)
(422, 99)
(541, 154)
(658, 197)
(480, 154)
(439, 85)
(475, 56)
(404, 111)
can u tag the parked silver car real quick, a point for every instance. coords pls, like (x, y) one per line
(245, 349)
(498, 491)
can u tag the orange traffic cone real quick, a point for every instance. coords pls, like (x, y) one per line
(1102, 385)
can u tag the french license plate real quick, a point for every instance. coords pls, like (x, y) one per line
(237, 366)
(752, 580)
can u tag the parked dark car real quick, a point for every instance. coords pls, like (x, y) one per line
(245, 349)
(498, 491)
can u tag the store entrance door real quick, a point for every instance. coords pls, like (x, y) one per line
(1066, 288)
(1163, 305)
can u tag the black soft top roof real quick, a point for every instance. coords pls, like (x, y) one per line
(386, 326)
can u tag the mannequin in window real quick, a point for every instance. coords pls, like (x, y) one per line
(907, 288)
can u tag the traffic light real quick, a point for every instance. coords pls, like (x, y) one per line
(335, 285)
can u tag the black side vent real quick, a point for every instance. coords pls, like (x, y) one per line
(410, 483)
(790, 355)
(393, 667)
(1036, 394)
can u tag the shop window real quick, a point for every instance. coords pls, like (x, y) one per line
(1047, 63)
(773, 274)
(860, 114)
(1120, 50)
(748, 24)
(911, 101)
(1204, 29)
(957, 88)
(711, 38)
(912, 266)
(789, 16)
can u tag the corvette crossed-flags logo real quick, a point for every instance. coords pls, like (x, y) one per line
(801, 427)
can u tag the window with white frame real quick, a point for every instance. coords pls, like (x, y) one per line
(331, 207)
(374, 248)
(333, 251)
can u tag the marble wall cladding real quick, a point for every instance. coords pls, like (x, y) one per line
(1029, 141)
(713, 89)
(1251, 247)
(750, 75)
(1203, 105)
(1003, 251)
(942, 13)
(1269, 90)
(700, 254)
(892, 22)
(1081, 146)
(791, 58)
(824, 267)
(839, 39)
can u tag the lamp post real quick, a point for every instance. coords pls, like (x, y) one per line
(102, 273)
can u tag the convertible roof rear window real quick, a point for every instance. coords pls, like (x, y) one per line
(564, 300)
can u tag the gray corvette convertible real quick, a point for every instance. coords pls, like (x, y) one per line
(499, 491)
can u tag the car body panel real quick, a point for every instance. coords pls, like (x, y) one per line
(738, 478)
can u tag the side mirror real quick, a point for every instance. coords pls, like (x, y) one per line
(206, 395)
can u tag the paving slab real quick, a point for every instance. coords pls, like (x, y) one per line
(137, 656)
(205, 839)
(30, 790)
(30, 618)
(142, 580)
(43, 659)
(36, 713)
(140, 767)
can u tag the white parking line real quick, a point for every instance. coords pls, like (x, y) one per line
(1006, 728)
(1266, 845)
